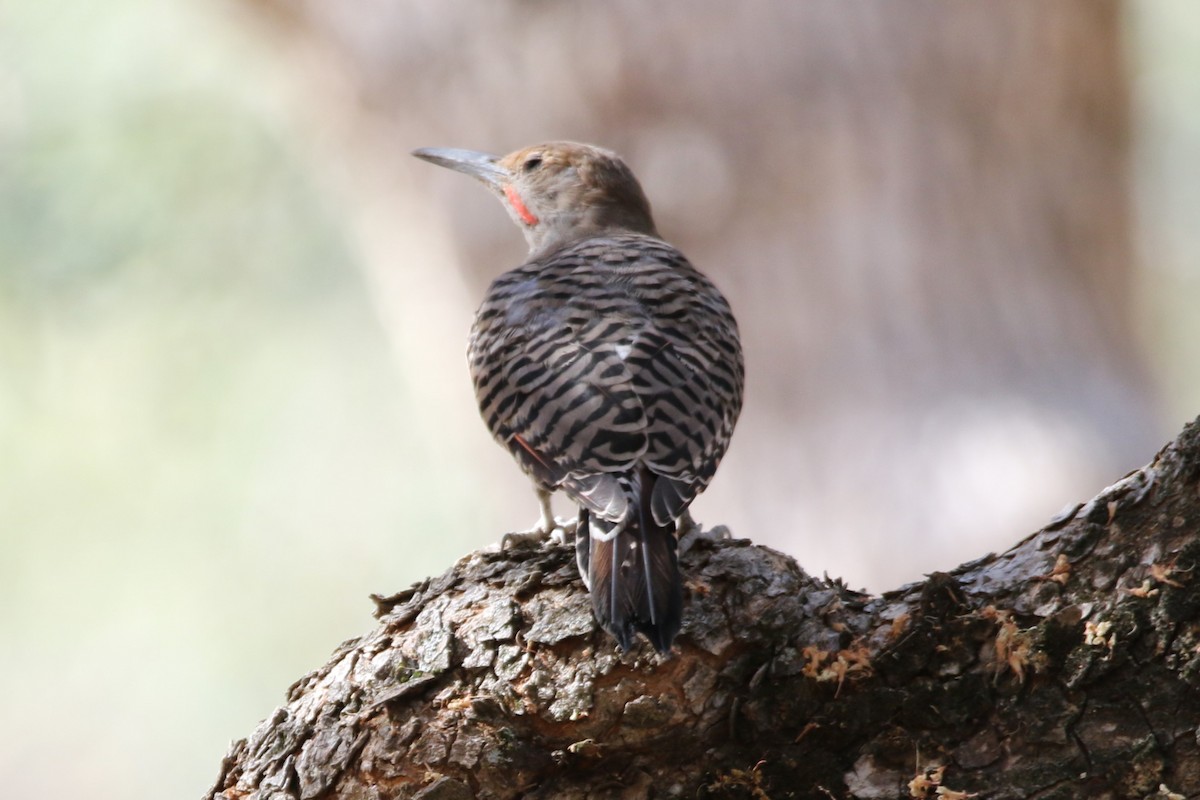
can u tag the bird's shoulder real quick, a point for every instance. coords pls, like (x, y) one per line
(615, 274)
(605, 259)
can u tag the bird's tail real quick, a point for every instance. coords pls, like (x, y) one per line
(633, 572)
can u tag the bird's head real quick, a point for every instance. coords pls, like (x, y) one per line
(557, 192)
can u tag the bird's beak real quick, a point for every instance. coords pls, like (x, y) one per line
(478, 165)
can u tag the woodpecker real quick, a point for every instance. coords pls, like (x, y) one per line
(609, 367)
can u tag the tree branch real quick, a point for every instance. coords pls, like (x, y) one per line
(1064, 667)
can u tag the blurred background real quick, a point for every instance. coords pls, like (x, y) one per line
(961, 239)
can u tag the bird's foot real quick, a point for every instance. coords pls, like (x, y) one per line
(689, 532)
(557, 529)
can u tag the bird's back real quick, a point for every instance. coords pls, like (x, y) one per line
(609, 353)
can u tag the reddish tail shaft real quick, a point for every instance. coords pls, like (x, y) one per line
(634, 573)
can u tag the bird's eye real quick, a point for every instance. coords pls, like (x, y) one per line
(531, 163)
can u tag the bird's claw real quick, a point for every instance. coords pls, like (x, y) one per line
(696, 532)
(560, 531)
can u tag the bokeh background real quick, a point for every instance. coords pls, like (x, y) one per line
(962, 240)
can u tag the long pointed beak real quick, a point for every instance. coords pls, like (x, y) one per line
(482, 166)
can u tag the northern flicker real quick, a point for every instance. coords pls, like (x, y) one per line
(610, 369)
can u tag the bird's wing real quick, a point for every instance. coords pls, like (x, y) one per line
(555, 390)
(688, 371)
(691, 406)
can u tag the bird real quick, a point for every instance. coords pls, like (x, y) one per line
(609, 367)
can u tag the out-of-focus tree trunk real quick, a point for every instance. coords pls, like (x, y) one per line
(1066, 667)
(919, 211)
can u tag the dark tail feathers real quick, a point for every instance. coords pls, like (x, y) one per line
(634, 574)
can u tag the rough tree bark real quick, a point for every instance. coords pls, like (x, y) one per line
(1066, 667)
